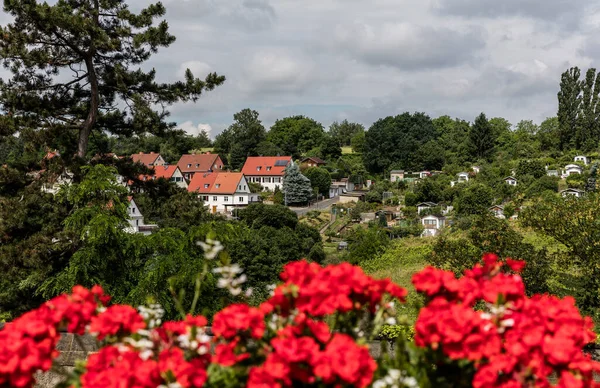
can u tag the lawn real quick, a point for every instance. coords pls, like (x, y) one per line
(347, 150)
(400, 262)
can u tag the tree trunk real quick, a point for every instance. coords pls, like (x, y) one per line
(90, 121)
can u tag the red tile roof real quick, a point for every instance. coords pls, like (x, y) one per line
(164, 171)
(266, 165)
(215, 182)
(314, 159)
(145, 159)
(199, 163)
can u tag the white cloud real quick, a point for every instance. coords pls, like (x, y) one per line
(194, 129)
(198, 68)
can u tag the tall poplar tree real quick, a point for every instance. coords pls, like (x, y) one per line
(569, 102)
(76, 69)
(588, 125)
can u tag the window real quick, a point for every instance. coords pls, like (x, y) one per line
(430, 222)
(218, 185)
(258, 168)
(215, 198)
(267, 179)
(137, 222)
(226, 198)
(197, 165)
(276, 180)
(241, 199)
(244, 187)
(205, 198)
(239, 187)
(189, 165)
(132, 210)
(206, 185)
(268, 168)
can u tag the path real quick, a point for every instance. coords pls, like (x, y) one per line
(315, 206)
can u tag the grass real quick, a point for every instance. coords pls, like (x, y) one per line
(347, 150)
(316, 219)
(400, 262)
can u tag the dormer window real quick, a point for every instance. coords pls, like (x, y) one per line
(218, 185)
(197, 165)
(258, 168)
(189, 165)
(206, 185)
(268, 168)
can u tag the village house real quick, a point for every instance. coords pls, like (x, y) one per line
(190, 164)
(136, 219)
(171, 173)
(462, 177)
(425, 205)
(476, 169)
(432, 225)
(582, 159)
(510, 180)
(266, 170)
(498, 211)
(396, 175)
(424, 174)
(312, 161)
(222, 192)
(149, 160)
(573, 192)
(352, 196)
(571, 169)
(552, 172)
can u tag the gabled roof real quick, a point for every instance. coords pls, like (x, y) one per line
(431, 204)
(463, 173)
(197, 162)
(215, 182)
(314, 159)
(145, 159)
(266, 165)
(497, 207)
(165, 171)
(397, 172)
(573, 190)
(510, 177)
(573, 166)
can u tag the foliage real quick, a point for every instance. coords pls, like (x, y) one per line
(358, 142)
(481, 138)
(345, 131)
(476, 198)
(535, 168)
(100, 45)
(394, 141)
(296, 135)
(320, 179)
(242, 139)
(296, 187)
(364, 244)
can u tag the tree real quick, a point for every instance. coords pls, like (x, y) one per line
(549, 134)
(101, 44)
(296, 187)
(395, 140)
(330, 149)
(481, 138)
(569, 103)
(344, 132)
(241, 139)
(534, 167)
(319, 179)
(296, 135)
(451, 135)
(588, 119)
(358, 142)
(475, 199)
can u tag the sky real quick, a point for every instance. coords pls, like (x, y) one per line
(363, 60)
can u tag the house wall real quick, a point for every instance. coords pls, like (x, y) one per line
(136, 219)
(347, 199)
(179, 179)
(159, 161)
(268, 182)
(396, 177)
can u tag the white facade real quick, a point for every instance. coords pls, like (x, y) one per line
(268, 182)
(571, 169)
(463, 177)
(552, 172)
(425, 205)
(510, 181)
(424, 174)
(396, 175)
(498, 211)
(476, 169)
(572, 192)
(136, 220)
(178, 179)
(583, 159)
(432, 225)
(65, 178)
(226, 202)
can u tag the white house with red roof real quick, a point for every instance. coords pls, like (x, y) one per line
(170, 173)
(266, 170)
(149, 160)
(222, 191)
(190, 164)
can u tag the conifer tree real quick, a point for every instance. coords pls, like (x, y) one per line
(481, 138)
(76, 69)
(296, 187)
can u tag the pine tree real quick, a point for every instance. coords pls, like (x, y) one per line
(296, 187)
(76, 69)
(481, 138)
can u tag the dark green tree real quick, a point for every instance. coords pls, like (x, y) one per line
(358, 142)
(241, 139)
(77, 68)
(296, 187)
(319, 179)
(296, 135)
(588, 119)
(475, 199)
(330, 148)
(569, 103)
(481, 138)
(344, 131)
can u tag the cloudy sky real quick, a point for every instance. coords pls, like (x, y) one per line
(361, 60)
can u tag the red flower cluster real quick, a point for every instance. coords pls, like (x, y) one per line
(319, 291)
(517, 340)
(28, 344)
(117, 319)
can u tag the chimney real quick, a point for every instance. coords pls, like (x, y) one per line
(151, 153)
(141, 153)
(207, 152)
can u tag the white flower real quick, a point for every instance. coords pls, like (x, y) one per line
(211, 248)
(229, 278)
(390, 321)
